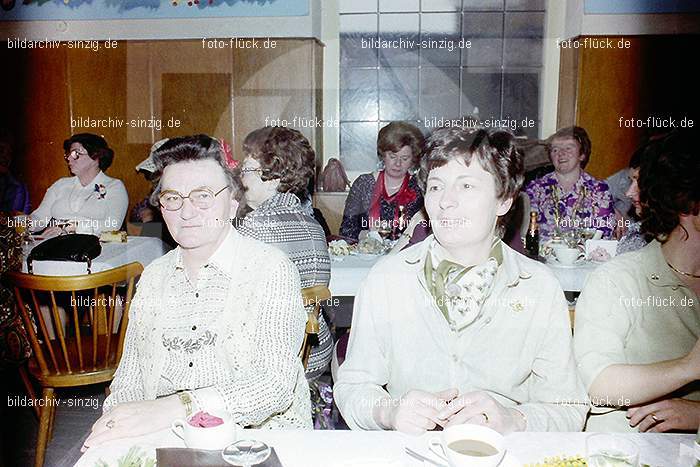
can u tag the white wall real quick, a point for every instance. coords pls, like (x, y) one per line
(330, 36)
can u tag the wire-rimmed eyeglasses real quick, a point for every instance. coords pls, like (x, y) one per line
(202, 198)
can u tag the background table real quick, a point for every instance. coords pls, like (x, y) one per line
(306, 448)
(140, 249)
(346, 275)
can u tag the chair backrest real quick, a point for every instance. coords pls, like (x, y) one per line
(312, 298)
(76, 324)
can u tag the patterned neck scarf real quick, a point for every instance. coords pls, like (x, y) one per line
(400, 199)
(460, 292)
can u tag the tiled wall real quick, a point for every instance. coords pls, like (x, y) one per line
(498, 74)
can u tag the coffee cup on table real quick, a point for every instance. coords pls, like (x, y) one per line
(469, 445)
(203, 430)
(567, 256)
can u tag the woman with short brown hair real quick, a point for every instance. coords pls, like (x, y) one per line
(391, 196)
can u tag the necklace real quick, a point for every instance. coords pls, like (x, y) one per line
(554, 195)
(694, 276)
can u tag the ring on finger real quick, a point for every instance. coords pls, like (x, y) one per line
(110, 424)
(655, 418)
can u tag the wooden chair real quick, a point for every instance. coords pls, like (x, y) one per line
(86, 348)
(312, 296)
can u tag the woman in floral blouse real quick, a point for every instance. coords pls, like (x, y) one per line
(391, 196)
(569, 198)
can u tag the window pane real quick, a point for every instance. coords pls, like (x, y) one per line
(398, 93)
(357, 36)
(441, 5)
(358, 146)
(358, 6)
(525, 5)
(482, 89)
(439, 93)
(401, 31)
(440, 39)
(485, 30)
(482, 5)
(358, 94)
(523, 39)
(398, 5)
(521, 95)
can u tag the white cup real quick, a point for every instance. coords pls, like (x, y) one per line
(441, 445)
(213, 438)
(568, 256)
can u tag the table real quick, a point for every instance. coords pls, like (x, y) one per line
(306, 448)
(573, 277)
(140, 249)
(346, 275)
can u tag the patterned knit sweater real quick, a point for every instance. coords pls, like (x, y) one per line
(281, 221)
(257, 374)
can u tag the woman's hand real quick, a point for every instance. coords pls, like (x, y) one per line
(416, 412)
(480, 408)
(135, 419)
(666, 415)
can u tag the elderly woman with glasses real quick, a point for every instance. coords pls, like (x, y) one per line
(90, 201)
(217, 323)
(460, 328)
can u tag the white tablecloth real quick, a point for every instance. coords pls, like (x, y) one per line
(139, 249)
(572, 278)
(299, 448)
(346, 275)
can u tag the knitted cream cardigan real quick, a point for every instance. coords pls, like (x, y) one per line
(260, 335)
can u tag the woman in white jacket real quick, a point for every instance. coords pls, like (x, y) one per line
(461, 328)
(90, 201)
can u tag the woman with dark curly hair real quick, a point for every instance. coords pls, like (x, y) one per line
(275, 173)
(90, 201)
(391, 196)
(638, 317)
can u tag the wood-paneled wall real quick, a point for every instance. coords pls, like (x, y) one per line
(223, 92)
(653, 77)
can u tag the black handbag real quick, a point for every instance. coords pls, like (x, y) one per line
(71, 247)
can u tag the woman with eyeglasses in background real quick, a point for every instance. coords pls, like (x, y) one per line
(89, 201)
(216, 324)
(278, 164)
(387, 199)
